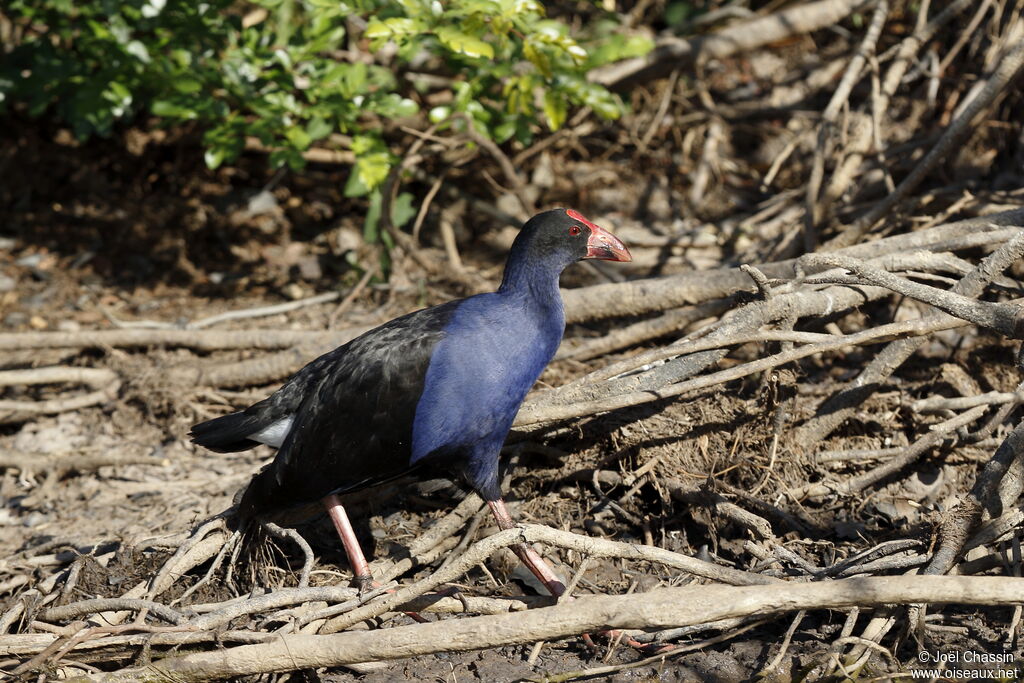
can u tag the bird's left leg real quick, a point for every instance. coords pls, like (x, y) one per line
(533, 561)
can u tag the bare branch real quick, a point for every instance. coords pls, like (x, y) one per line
(664, 608)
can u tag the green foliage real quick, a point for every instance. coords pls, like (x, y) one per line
(678, 14)
(288, 73)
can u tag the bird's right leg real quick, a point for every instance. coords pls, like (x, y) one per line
(356, 559)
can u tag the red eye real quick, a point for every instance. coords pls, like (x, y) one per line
(574, 230)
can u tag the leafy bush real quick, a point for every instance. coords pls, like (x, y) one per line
(279, 70)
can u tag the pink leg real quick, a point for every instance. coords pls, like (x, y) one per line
(533, 561)
(364, 579)
(348, 539)
(542, 571)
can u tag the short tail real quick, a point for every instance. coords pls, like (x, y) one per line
(228, 433)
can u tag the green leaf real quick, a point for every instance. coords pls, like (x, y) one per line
(373, 168)
(296, 161)
(606, 104)
(172, 110)
(524, 131)
(537, 57)
(402, 210)
(287, 156)
(394, 106)
(99, 30)
(363, 144)
(186, 84)
(518, 92)
(136, 49)
(555, 109)
(119, 92)
(395, 27)
(504, 131)
(478, 112)
(457, 41)
(318, 128)
(267, 69)
(618, 47)
(463, 95)
(354, 186)
(298, 137)
(353, 81)
(439, 114)
(578, 54)
(153, 8)
(214, 156)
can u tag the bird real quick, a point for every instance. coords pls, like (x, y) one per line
(435, 390)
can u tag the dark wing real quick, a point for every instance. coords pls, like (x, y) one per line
(353, 427)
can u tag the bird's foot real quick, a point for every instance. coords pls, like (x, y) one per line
(615, 637)
(365, 583)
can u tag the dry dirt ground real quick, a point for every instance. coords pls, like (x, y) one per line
(132, 234)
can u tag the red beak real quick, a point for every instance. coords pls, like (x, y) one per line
(605, 246)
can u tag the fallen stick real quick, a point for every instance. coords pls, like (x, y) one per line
(104, 382)
(983, 497)
(1005, 318)
(818, 205)
(936, 435)
(71, 462)
(665, 608)
(649, 295)
(1009, 66)
(938, 404)
(84, 607)
(200, 340)
(677, 53)
(414, 593)
(29, 644)
(423, 545)
(599, 301)
(561, 404)
(621, 337)
(696, 496)
(838, 408)
(532, 533)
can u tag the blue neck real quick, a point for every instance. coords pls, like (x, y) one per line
(534, 278)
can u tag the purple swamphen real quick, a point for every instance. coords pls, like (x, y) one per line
(436, 389)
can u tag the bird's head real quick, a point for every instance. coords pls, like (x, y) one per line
(566, 235)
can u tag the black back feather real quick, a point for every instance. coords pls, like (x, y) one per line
(353, 426)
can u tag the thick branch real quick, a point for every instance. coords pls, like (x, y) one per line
(666, 608)
(1006, 319)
